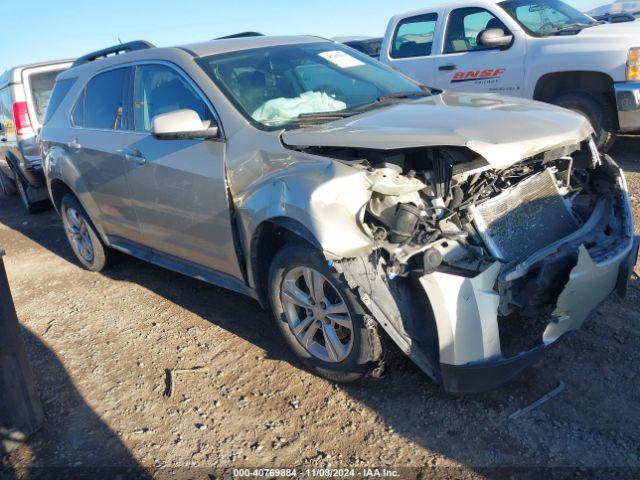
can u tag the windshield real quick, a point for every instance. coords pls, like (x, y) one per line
(274, 86)
(546, 17)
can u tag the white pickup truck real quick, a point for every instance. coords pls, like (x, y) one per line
(540, 49)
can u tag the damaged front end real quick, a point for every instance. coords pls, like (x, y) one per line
(477, 269)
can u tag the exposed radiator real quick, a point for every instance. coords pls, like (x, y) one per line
(524, 218)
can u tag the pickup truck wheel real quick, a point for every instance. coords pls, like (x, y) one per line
(30, 207)
(320, 317)
(598, 110)
(83, 238)
(7, 185)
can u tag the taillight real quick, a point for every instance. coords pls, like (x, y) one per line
(21, 118)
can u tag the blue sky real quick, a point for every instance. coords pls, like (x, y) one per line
(37, 30)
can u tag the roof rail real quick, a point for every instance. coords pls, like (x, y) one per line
(241, 35)
(115, 50)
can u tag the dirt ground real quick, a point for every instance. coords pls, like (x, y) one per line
(100, 344)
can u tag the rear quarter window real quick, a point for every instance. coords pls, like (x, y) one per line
(60, 90)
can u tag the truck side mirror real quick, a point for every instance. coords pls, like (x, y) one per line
(494, 38)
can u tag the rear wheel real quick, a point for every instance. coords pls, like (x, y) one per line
(29, 205)
(320, 317)
(7, 185)
(598, 110)
(89, 249)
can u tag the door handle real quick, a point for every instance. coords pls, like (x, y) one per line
(74, 144)
(135, 157)
(447, 68)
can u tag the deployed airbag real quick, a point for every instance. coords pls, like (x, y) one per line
(283, 109)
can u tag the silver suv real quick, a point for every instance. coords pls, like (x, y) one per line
(472, 230)
(24, 95)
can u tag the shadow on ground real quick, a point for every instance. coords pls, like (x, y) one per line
(72, 435)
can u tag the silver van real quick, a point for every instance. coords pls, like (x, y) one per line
(24, 95)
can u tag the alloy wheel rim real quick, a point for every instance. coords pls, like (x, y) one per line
(317, 314)
(78, 233)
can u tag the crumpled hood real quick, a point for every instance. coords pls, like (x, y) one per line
(503, 130)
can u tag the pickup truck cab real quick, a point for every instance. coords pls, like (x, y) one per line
(543, 50)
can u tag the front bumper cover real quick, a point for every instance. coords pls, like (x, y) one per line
(628, 104)
(487, 375)
(468, 310)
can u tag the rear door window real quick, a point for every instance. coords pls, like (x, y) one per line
(6, 113)
(414, 36)
(41, 89)
(104, 100)
(3, 119)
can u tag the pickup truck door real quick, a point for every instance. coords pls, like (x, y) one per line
(412, 42)
(178, 187)
(466, 66)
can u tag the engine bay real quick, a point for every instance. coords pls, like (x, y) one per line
(446, 209)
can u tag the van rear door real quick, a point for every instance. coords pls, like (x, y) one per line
(38, 83)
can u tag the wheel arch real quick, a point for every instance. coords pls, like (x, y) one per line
(57, 190)
(553, 84)
(269, 237)
(14, 165)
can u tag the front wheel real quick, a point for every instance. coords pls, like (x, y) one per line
(320, 317)
(598, 110)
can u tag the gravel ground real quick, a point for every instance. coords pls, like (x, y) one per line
(100, 345)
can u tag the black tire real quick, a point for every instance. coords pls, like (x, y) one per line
(76, 232)
(598, 110)
(31, 207)
(7, 185)
(365, 347)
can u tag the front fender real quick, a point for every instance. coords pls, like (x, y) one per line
(326, 197)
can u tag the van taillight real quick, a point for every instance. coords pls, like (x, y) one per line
(21, 118)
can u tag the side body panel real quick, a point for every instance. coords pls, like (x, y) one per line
(574, 54)
(8, 140)
(180, 198)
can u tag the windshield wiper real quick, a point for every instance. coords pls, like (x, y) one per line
(392, 97)
(574, 27)
(308, 118)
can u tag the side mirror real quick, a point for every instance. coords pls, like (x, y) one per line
(494, 38)
(182, 125)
